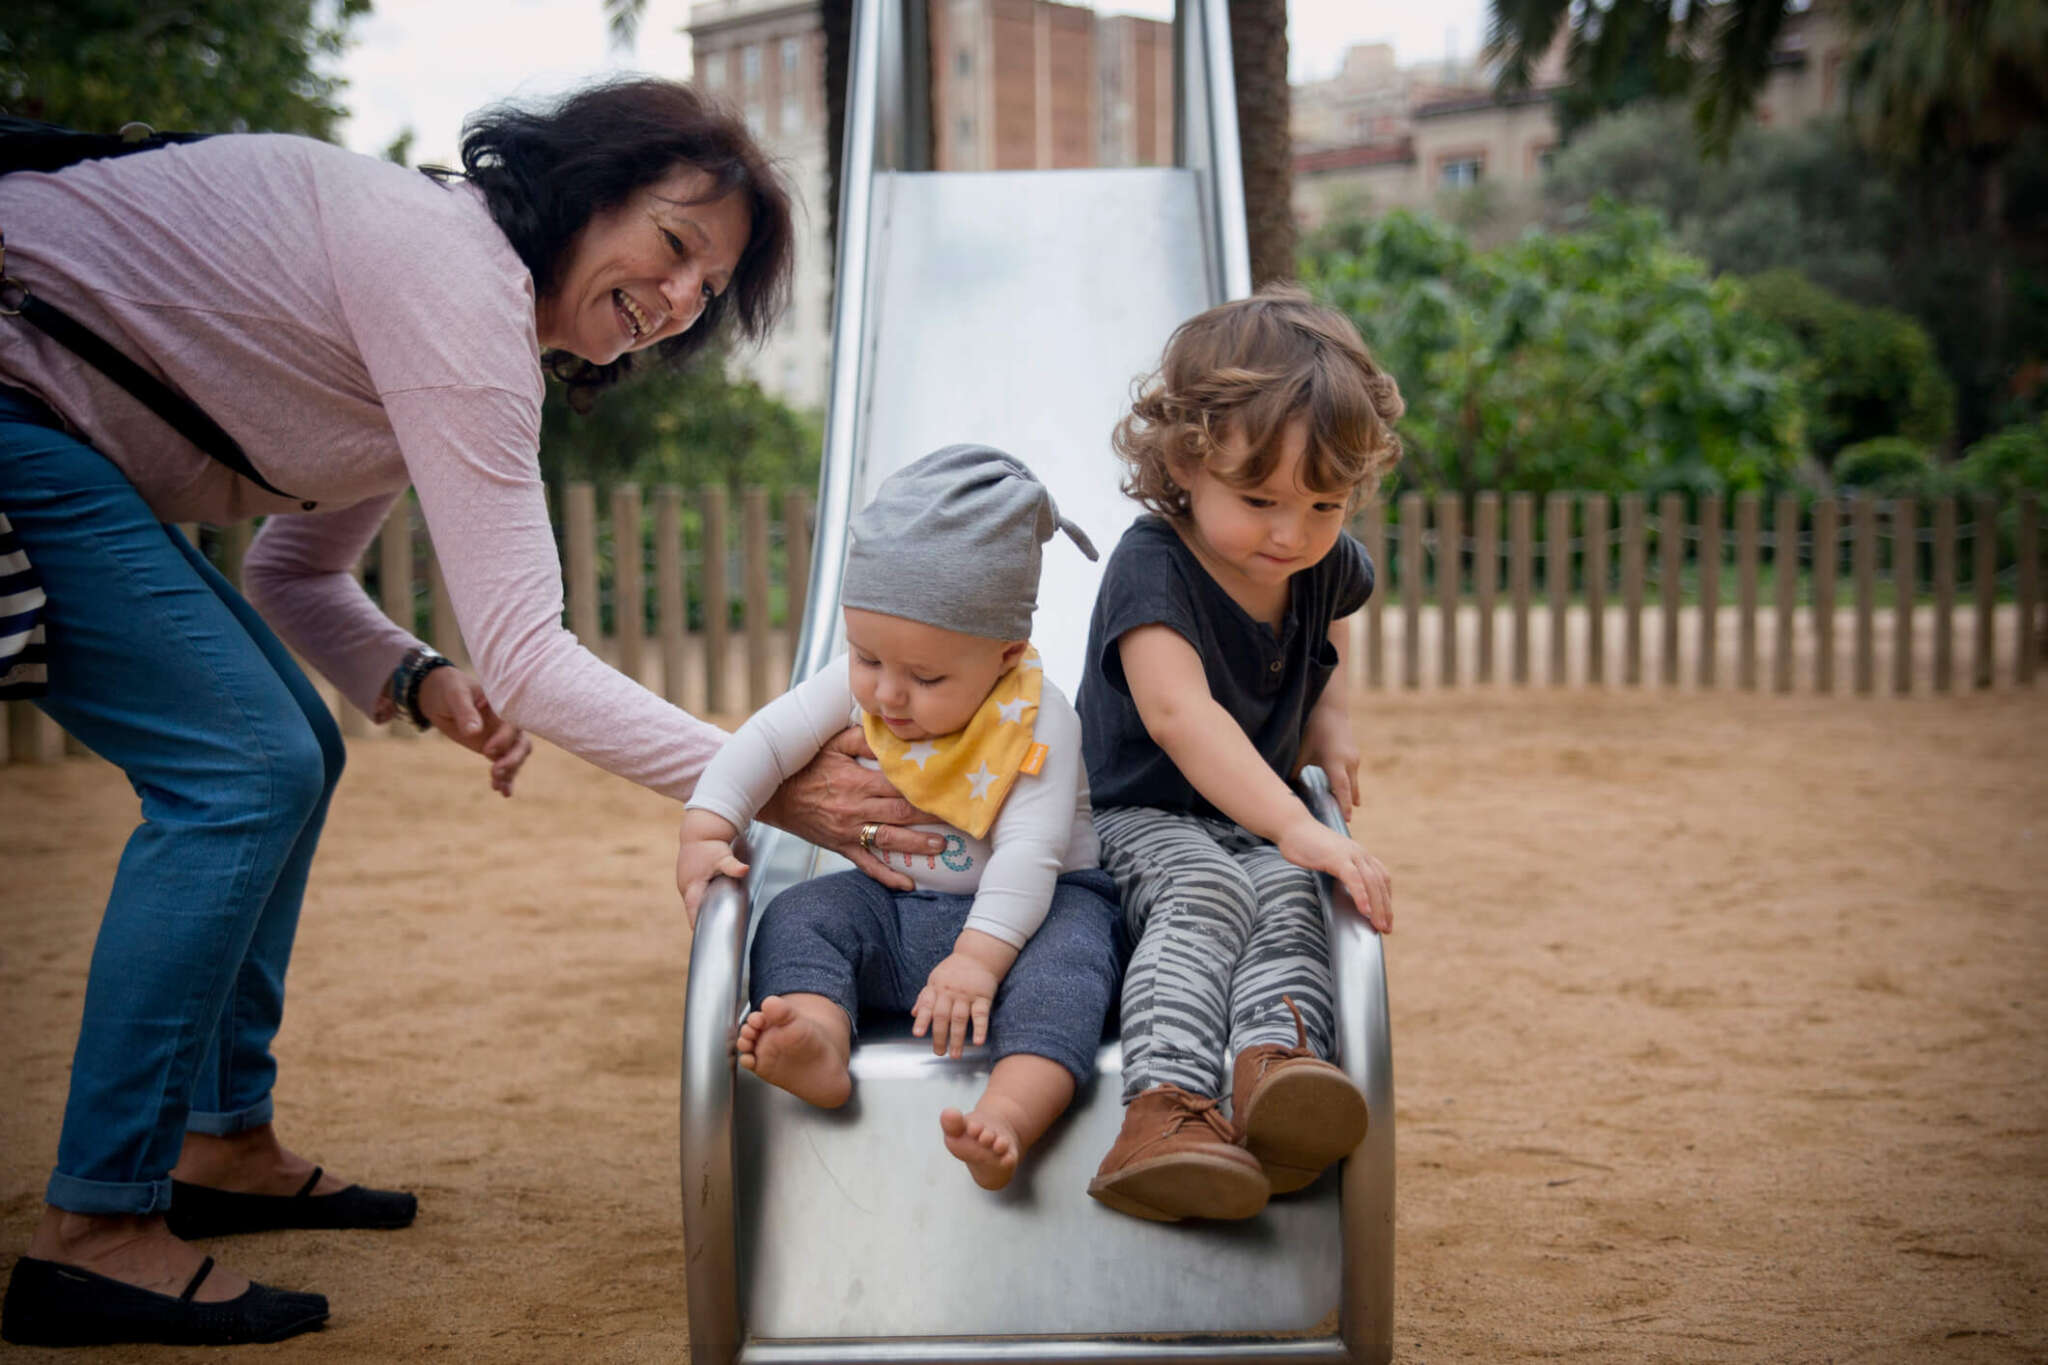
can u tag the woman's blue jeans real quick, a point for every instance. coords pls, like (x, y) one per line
(158, 665)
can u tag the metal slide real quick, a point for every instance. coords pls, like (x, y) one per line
(1014, 309)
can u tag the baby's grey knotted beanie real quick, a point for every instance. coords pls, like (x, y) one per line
(952, 541)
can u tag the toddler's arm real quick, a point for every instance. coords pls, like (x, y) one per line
(1326, 740)
(1171, 691)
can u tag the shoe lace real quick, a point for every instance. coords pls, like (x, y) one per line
(1194, 1107)
(1280, 1054)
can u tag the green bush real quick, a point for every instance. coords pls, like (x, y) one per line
(1601, 359)
(2007, 463)
(1890, 467)
(695, 427)
(1870, 372)
(1811, 198)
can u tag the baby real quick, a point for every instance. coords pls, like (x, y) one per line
(1011, 935)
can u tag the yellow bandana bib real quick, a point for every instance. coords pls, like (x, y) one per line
(963, 777)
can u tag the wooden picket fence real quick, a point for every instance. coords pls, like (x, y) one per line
(1609, 572)
(1582, 590)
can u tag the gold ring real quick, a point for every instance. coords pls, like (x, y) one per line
(867, 836)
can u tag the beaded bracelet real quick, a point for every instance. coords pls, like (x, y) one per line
(412, 670)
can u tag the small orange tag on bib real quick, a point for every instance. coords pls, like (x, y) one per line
(1034, 759)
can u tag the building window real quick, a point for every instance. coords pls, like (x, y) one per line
(963, 63)
(714, 72)
(756, 119)
(963, 128)
(792, 112)
(1462, 173)
(750, 63)
(790, 51)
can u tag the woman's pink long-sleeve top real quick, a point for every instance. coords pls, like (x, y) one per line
(356, 327)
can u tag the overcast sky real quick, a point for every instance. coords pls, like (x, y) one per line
(424, 64)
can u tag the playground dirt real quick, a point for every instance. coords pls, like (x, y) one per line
(1719, 1034)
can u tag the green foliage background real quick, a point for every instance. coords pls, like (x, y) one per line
(1602, 359)
(692, 427)
(199, 65)
(1881, 235)
(1868, 372)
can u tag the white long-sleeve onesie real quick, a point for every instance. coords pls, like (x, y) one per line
(1045, 827)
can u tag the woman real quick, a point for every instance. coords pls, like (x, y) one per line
(357, 328)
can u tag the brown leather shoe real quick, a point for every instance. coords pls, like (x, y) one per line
(1178, 1158)
(1294, 1111)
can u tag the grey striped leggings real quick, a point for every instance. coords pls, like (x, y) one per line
(1225, 927)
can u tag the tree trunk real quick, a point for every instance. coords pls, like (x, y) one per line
(1258, 45)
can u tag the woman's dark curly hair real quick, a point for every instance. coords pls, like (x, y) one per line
(545, 172)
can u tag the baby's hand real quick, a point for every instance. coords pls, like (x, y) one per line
(697, 862)
(957, 993)
(1310, 843)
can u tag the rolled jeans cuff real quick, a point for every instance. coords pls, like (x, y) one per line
(227, 1125)
(74, 1195)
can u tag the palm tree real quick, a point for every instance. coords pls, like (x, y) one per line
(1934, 80)
(1258, 47)
(1726, 47)
(1952, 85)
(623, 18)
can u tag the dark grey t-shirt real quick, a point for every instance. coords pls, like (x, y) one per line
(1268, 682)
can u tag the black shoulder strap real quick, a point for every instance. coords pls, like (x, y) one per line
(29, 145)
(26, 145)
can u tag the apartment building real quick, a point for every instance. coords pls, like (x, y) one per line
(766, 58)
(1033, 85)
(1377, 137)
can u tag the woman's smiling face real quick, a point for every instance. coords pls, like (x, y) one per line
(640, 272)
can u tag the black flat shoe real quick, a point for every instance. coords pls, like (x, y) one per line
(49, 1304)
(200, 1211)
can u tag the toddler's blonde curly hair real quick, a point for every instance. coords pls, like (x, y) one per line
(1241, 373)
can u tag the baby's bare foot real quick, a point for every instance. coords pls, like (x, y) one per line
(986, 1143)
(795, 1051)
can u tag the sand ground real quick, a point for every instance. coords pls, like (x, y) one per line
(1719, 1034)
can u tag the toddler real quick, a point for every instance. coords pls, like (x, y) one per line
(1011, 933)
(1215, 634)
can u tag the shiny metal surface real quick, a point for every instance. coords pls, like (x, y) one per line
(857, 1224)
(1015, 309)
(1205, 139)
(994, 1351)
(710, 1011)
(1365, 1049)
(816, 641)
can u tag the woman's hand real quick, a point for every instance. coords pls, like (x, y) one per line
(832, 797)
(1309, 843)
(455, 703)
